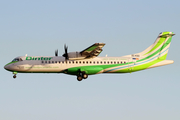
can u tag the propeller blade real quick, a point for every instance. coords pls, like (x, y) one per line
(66, 52)
(56, 52)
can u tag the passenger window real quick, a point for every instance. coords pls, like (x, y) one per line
(90, 62)
(104, 62)
(42, 61)
(97, 62)
(111, 62)
(87, 62)
(94, 62)
(80, 62)
(118, 62)
(73, 62)
(76, 62)
(55, 61)
(49, 62)
(52, 61)
(45, 61)
(69, 62)
(124, 62)
(101, 62)
(121, 62)
(114, 62)
(62, 62)
(83, 62)
(59, 61)
(108, 62)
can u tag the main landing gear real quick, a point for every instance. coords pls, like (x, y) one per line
(14, 76)
(82, 75)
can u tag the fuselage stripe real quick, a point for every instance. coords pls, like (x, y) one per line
(137, 63)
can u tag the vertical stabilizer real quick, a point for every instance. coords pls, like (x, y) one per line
(160, 47)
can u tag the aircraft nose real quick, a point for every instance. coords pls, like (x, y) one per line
(6, 67)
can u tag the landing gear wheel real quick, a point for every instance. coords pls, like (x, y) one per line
(14, 76)
(79, 78)
(85, 76)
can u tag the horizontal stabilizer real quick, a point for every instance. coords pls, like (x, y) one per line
(162, 63)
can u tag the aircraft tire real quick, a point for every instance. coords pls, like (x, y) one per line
(79, 78)
(85, 76)
(14, 76)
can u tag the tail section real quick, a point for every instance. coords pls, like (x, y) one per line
(160, 47)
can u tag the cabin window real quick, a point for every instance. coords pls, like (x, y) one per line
(42, 61)
(118, 62)
(111, 62)
(55, 61)
(114, 62)
(83, 62)
(90, 62)
(94, 62)
(124, 62)
(69, 62)
(77, 62)
(59, 61)
(121, 62)
(52, 61)
(49, 61)
(101, 62)
(108, 62)
(97, 62)
(104, 62)
(80, 62)
(73, 62)
(45, 61)
(87, 62)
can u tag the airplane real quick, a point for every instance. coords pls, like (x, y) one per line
(86, 62)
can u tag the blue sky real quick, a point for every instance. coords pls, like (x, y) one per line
(39, 27)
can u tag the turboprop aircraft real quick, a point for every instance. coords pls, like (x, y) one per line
(85, 63)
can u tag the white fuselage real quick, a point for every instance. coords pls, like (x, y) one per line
(58, 64)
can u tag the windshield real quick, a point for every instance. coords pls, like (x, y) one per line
(17, 59)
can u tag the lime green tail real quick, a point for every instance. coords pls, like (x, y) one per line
(160, 46)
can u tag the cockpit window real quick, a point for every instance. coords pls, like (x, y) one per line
(17, 59)
(20, 59)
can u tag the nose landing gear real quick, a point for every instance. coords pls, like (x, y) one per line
(14, 76)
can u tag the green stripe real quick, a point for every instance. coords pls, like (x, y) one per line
(159, 50)
(91, 48)
(161, 41)
(11, 63)
(141, 67)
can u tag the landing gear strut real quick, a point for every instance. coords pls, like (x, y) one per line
(82, 75)
(14, 76)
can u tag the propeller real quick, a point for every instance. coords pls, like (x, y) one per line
(66, 53)
(56, 52)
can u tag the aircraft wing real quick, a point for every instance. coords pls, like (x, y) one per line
(92, 51)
